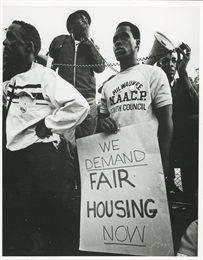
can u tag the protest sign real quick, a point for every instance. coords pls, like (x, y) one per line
(124, 207)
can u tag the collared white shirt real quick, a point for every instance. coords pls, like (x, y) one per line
(41, 93)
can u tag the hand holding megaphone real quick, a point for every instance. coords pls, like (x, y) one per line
(183, 52)
(84, 32)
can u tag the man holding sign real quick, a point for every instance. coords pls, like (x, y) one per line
(138, 93)
(124, 207)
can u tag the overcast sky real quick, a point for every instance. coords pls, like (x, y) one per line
(178, 21)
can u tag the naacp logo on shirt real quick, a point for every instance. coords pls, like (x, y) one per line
(128, 96)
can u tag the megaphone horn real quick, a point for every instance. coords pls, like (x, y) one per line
(162, 45)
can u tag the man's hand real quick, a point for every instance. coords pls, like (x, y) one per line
(109, 125)
(85, 32)
(183, 52)
(80, 30)
(42, 131)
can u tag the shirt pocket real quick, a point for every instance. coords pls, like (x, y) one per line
(27, 101)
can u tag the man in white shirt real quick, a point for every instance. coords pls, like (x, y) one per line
(40, 108)
(138, 93)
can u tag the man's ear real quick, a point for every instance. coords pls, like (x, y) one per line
(70, 28)
(159, 64)
(137, 44)
(30, 46)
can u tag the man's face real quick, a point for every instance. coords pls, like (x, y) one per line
(168, 64)
(14, 46)
(80, 26)
(124, 44)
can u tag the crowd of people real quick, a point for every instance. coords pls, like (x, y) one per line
(46, 109)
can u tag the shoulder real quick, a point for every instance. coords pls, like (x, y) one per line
(150, 69)
(108, 83)
(152, 73)
(59, 39)
(193, 227)
(47, 77)
(42, 70)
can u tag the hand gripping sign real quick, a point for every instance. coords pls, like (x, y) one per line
(124, 207)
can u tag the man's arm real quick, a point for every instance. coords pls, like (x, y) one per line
(70, 108)
(184, 52)
(54, 49)
(94, 55)
(188, 86)
(165, 133)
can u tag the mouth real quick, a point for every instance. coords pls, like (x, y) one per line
(5, 50)
(119, 51)
(171, 72)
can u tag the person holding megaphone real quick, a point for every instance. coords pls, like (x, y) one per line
(184, 148)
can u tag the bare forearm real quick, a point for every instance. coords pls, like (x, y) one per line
(165, 134)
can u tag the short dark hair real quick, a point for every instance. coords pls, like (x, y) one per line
(134, 29)
(30, 33)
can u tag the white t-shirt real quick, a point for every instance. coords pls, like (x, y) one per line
(132, 95)
(41, 93)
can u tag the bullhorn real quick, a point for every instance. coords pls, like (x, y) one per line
(161, 46)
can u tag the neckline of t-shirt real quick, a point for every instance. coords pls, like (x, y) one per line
(130, 68)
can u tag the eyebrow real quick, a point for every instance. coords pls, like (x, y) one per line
(119, 35)
(9, 32)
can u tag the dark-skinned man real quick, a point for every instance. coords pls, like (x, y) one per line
(143, 86)
(38, 177)
(184, 148)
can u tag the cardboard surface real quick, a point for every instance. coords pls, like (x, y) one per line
(124, 206)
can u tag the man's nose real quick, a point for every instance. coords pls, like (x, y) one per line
(84, 19)
(118, 41)
(171, 63)
(5, 42)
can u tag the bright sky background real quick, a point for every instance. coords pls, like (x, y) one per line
(178, 21)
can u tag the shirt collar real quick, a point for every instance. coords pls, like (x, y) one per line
(172, 82)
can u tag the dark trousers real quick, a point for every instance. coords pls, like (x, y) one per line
(37, 184)
(184, 155)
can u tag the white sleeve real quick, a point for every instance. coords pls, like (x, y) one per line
(70, 108)
(103, 107)
(160, 88)
(4, 88)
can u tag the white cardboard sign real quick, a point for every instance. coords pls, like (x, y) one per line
(124, 207)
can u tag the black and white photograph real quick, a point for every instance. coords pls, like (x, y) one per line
(101, 137)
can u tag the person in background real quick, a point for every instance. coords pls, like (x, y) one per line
(37, 173)
(184, 149)
(189, 241)
(196, 79)
(76, 58)
(80, 59)
(144, 84)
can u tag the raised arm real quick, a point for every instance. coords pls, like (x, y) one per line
(94, 55)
